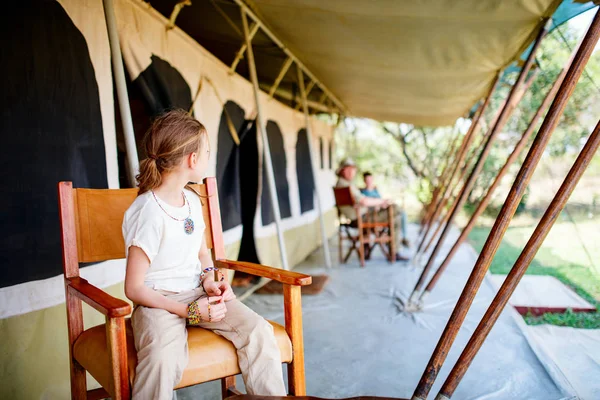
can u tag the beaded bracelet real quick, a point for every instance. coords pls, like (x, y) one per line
(216, 270)
(194, 316)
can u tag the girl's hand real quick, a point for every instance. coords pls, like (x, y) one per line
(206, 309)
(221, 288)
(227, 291)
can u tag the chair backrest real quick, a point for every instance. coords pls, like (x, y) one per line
(343, 197)
(91, 221)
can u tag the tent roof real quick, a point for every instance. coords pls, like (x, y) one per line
(425, 62)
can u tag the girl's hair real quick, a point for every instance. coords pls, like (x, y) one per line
(171, 136)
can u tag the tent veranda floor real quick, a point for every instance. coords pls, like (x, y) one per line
(358, 342)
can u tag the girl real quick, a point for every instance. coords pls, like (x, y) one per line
(168, 267)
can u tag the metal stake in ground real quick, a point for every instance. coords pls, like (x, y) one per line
(478, 166)
(518, 270)
(514, 197)
(520, 146)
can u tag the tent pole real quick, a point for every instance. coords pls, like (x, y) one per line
(518, 270)
(267, 151)
(444, 201)
(284, 94)
(513, 103)
(442, 179)
(317, 192)
(454, 150)
(466, 143)
(284, 69)
(240, 54)
(458, 160)
(442, 223)
(507, 212)
(249, 13)
(468, 185)
(309, 87)
(133, 162)
(519, 147)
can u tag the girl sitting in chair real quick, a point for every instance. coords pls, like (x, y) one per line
(170, 275)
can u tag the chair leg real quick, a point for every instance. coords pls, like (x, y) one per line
(350, 250)
(78, 383)
(292, 302)
(75, 326)
(361, 247)
(228, 387)
(117, 350)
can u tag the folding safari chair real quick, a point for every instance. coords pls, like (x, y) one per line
(369, 233)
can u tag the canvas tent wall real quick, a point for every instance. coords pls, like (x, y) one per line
(60, 114)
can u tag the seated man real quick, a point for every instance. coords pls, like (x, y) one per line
(346, 173)
(370, 190)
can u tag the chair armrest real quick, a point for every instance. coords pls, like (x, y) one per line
(279, 275)
(97, 298)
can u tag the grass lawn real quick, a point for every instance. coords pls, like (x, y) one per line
(562, 255)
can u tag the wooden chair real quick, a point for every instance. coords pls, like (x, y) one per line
(369, 232)
(91, 231)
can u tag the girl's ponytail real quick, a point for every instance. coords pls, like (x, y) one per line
(149, 177)
(172, 135)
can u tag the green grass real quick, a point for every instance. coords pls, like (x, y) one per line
(562, 256)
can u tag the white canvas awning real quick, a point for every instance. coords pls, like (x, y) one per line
(424, 62)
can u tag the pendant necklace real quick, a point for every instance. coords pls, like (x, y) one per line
(188, 222)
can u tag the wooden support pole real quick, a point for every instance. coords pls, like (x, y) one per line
(458, 154)
(284, 69)
(313, 161)
(468, 185)
(242, 50)
(519, 147)
(444, 220)
(176, 11)
(442, 178)
(448, 192)
(514, 100)
(267, 151)
(133, 163)
(250, 14)
(502, 222)
(468, 139)
(309, 87)
(518, 270)
(462, 153)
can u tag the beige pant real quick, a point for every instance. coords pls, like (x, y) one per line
(161, 344)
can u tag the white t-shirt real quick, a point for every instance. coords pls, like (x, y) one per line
(173, 254)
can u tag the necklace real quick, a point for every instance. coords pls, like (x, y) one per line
(188, 222)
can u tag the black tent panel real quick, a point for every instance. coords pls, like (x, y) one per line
(248, 179)
(52, 131)
(279, 168)
(163, 87)
(158, 88)
(228, 165)
(304, 171)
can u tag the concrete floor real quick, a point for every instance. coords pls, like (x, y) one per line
(358, 341)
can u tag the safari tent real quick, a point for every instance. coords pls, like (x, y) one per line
(84, 78)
